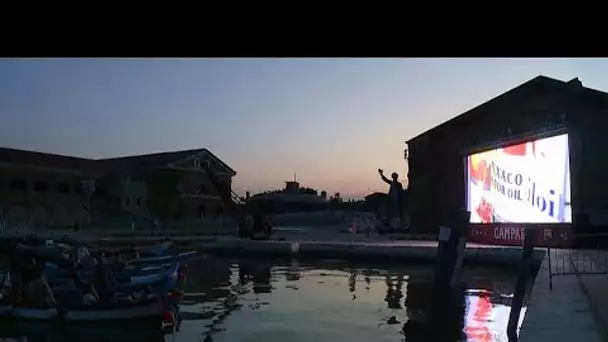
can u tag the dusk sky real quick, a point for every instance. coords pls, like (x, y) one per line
(332, 121)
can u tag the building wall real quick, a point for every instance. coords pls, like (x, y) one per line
(134, 193)
(36, 197)
(200, 197)
(589, 163)
(41, 197)
(198, 200)
(107, 201)
(436, 158)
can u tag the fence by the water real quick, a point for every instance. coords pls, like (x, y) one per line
(588, 255)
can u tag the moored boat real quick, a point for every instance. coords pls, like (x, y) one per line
(162, 282)
(150, 309)
(163, 277)
(76, 305)
(27, 330)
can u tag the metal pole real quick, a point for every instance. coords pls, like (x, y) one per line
(550, 269)
(450, 251)
(522, 279)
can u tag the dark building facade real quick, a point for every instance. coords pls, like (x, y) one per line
(538, 108)
(46, 190)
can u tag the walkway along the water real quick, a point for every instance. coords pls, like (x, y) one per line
(565, 313)
(402, 251)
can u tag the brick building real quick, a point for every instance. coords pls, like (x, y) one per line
(538, 108)
(46, 190)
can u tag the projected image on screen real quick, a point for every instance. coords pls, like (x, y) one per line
(524, 183)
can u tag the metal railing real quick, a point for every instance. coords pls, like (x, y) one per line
(587, 255)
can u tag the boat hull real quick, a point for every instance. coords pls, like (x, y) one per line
(45, 331)
(144, 313)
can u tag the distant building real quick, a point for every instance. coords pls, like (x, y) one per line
(292, 187)
(377, 202)
(289, 199)
(46, 190)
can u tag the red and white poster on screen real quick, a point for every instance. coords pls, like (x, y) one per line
(527, 183)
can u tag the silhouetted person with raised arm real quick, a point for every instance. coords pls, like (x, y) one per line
(394, 194)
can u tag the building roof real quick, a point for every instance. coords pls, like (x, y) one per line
(39, 159)
(538, 83)
(159, 159)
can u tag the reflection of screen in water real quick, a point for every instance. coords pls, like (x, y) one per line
(523, 183)
(485, 321)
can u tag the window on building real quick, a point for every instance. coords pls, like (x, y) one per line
(62, 188)
(100, 190)
(78, 189)
(181, 211)
(197, 163)
(138, 202)
(127, 202)
(19, 185)
(41, 187)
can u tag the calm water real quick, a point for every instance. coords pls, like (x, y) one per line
(263, 300)
(266, 300)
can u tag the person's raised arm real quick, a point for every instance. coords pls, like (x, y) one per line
(381, 172)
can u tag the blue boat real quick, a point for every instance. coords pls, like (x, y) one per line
(158, 250)
(147, 266)
(161, 258)
(164, 281)
(143, 307)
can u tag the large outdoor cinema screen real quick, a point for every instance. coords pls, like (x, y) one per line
(524, 183)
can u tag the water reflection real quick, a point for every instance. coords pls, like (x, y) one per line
(367, 279)
(268, 300)
(260, 300)
(394, 284)
(352, 281)
(258, 273)
(293, 272)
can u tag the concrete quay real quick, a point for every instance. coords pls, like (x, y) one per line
(568, 312)
(111, 237)
(290, 241)
(403, 251)
(122, 236)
